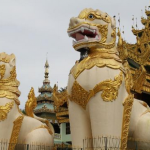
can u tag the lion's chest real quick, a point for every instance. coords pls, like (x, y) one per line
(92, 81)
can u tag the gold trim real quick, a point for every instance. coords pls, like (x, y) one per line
(97, 15)
(101, 58)
(6, 58)
(31, 103)
(15, 132)
(64, 121)
(59, 97)
(2, 71)
(4, 110)
(9, 95)
(108, 87)
(128, 102)
(62, 113)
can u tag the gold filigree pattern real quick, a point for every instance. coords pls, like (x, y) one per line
(128, 102)
(12, 77)
(59, 97)
(2, 71)
(4, 110)
(140, 51)
(9, 95)
(97, 15)
(108, 87)
(6, 58)
(9, 87)
(139, 78)
(102, 58)
(31, 103)
(15, 132)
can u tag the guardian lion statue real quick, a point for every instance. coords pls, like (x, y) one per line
(99, 86)
(14, 126)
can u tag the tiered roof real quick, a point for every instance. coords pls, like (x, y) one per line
(138, 55)
(44, 100)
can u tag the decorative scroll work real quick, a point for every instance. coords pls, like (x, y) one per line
(15, 132)
(9, 87)
(31, 103)
(4, 110)
(109, 90)
(2, 71)
(30, 106)
(59, 97)
(100, 59)
(128, 102)
(97, 15)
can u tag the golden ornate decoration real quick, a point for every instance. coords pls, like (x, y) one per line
(2, 71)
(139, 79)
(62, 113)
(97, 15)
(59, 97)
(43, 109)
(15, 132)
(103, 29)
(108, 87)
(9, 95)
(31, 103)
(101, 58)
(9, 87)
(140, 51)
(6, 58)
(4, 110)
(64, 121)
(128, 102)
(11, 78)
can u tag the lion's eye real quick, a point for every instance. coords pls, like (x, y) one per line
(91, 16)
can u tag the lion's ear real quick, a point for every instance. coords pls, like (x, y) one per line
(12, 62)
(113, 22)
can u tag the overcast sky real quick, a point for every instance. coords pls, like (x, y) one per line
(31, 28)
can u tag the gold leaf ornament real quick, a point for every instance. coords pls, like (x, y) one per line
(2, 71)
(4, 110)
(109, 90)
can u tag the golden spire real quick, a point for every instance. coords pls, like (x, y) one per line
(46, 72)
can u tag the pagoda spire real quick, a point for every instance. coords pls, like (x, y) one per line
(46, 80)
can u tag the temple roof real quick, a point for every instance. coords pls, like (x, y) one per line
(138, 55)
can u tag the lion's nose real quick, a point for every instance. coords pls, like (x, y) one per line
(73, 22)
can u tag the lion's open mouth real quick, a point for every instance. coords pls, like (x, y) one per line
(84, 34)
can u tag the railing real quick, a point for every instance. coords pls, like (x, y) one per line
(113, 143)
(33, 146)
(100, 143)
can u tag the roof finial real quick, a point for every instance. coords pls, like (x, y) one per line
(119, 18)
(46, 70)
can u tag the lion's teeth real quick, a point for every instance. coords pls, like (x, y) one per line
(85, 37)
(94, 31)
(96, 37)
(82, 29)
(73, 42)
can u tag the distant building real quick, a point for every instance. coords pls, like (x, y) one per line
(45, 109)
